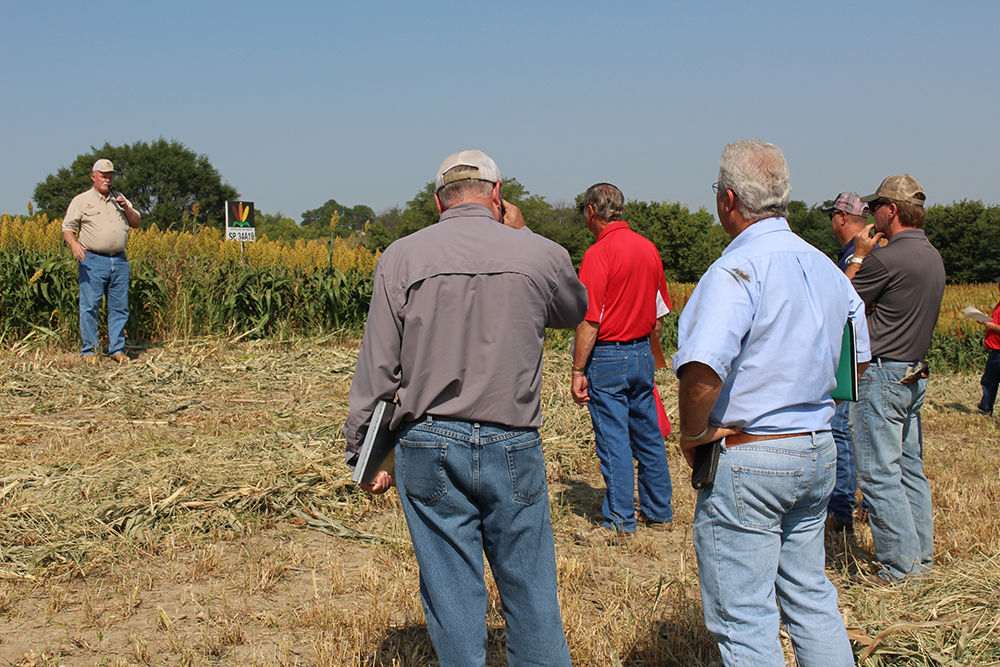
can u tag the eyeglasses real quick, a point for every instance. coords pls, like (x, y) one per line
(715, 187)
(873, 206)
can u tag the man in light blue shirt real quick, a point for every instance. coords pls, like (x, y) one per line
(758, 346)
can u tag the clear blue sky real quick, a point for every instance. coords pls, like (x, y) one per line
(296, 103)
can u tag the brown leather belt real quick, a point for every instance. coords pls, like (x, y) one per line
(746, 438)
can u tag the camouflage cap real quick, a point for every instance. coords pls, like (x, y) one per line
(899, 188)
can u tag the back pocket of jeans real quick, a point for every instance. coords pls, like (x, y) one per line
(527, 471)
(422, 467)
(764, 496)
(608, 373)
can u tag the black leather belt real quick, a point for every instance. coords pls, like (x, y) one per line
(601, 343)
(112, 255)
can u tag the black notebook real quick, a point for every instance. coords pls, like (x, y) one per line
(379, 446)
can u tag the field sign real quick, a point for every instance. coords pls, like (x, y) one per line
(239, 221)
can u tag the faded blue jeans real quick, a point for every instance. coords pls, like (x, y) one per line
(620, 386)
(103, 277)
(889, 457)
(758, 533)
(469, 488)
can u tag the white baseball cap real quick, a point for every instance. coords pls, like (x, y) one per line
(104, 165)
(478, 167)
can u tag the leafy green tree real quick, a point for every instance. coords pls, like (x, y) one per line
(378, 236)
(420, 212)
(565, 226)
(276, 226)
(163, 180)
(351, 219)
(686, 241)
(813, 225)
(967, 234)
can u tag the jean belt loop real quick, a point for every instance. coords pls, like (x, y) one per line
(878, 360)
(430, 419)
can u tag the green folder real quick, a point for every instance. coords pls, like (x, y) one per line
(847, 369)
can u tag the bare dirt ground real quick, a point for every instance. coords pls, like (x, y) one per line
(193, 508)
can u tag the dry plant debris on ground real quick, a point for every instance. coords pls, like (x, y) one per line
(193, 508)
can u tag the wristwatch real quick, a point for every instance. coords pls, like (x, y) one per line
(855, 260)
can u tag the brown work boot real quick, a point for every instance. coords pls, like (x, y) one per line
(90, 359)
(599, 536)
(644, 520)
(121, 358)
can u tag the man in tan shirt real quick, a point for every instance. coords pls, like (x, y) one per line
(96, 229)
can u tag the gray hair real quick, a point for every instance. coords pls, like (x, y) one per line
(459, 192)
(607, 200)
(757, 173)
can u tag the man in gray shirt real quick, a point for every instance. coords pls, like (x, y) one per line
(902, 285)
(455, 332)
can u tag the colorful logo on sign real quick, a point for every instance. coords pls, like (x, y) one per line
(241, 214)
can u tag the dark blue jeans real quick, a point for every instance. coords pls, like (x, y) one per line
(846, 489)
(620, 386)
(990, 381)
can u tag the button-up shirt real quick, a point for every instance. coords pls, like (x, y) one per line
(99, 223)
(768, 317)
(457, 323)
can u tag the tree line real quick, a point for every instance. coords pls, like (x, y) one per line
(175, 188)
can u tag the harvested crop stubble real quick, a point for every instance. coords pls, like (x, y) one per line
(192, 508)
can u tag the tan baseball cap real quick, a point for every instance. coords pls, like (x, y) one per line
(478, 167)
(104, 165)
(899, 188)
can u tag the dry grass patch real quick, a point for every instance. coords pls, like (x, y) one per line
(192, 508)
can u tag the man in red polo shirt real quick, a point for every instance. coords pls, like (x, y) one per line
(613, 366)
(991, 375)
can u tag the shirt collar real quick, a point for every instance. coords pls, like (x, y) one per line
(908, 231)
(756, 230)
(468, 211)
(612, 227)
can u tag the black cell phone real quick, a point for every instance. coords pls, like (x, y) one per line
(706, 461)
(503, 209)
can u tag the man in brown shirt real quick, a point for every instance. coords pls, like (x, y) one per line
(96, 229)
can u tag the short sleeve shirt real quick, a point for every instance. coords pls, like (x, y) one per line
(623, 272)
(98, 222)
(768, 317)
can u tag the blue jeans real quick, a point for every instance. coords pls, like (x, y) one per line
(468, 488)
(620, 386)
(889, 456)
(990, 381)
(103, 277)
(758, 533)
(845, 491)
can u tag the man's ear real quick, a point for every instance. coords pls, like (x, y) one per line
(438, 202)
